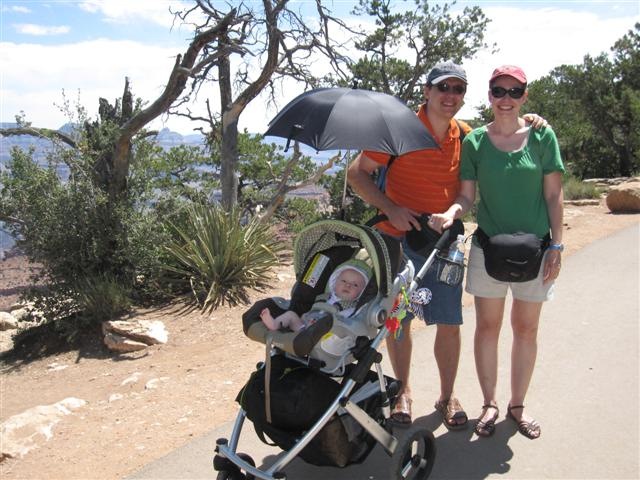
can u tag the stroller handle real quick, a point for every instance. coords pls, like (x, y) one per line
(442, 241)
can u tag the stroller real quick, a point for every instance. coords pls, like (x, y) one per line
(327, 406)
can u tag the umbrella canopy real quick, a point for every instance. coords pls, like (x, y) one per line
(347, 118)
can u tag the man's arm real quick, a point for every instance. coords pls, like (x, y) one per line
(359, 177)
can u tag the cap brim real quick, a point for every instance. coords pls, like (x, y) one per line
(448, 75)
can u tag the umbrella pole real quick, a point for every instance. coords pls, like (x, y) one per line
(344, 187)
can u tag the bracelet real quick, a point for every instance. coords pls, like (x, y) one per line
(556, 246)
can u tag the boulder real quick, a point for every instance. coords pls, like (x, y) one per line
(25, 431)
(625, 197)
(121, 344)
(8, 322)
(150, 332)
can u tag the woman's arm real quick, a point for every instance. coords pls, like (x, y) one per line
(554, 198)
(461, 205)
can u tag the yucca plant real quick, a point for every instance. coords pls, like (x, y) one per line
(219, 257)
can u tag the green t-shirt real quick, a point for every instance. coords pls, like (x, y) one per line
(511, 184)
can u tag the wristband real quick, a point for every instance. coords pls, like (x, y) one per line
(556, 246)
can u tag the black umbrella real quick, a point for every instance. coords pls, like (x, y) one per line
(353, 119)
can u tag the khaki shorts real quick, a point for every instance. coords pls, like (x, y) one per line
(480, 284)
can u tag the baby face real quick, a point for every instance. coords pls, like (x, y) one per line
(349, 285)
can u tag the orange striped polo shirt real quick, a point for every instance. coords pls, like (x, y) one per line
(425, 180)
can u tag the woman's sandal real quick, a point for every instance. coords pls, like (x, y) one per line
(529, 429)
(488, 427)
(452, 413)
(401, 413)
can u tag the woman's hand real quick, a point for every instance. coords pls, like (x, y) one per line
(552, 265)
(441, 221)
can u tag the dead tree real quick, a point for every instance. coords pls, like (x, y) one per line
(273, 36)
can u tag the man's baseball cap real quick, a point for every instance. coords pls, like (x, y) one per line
(443, 70)
(509, 71)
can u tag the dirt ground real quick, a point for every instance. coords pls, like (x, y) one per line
(143, 405)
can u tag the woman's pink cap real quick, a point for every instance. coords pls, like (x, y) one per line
(509, 71)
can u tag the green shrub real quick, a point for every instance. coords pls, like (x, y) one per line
(575, 189)
(297, 213)
(218, 258)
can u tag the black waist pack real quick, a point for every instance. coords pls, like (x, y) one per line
(512, 257)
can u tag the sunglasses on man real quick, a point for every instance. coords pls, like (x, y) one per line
(514, 92)
(445, 87)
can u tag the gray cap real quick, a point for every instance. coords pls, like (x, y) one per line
(444, 70)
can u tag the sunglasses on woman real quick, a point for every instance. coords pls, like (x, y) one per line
(444, 87)
(514, 92)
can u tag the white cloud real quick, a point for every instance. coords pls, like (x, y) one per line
(40, 30)
(16, 9)
(538, 41)
(35, 75)
(128, 11)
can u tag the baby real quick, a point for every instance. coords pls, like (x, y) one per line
(345, 286)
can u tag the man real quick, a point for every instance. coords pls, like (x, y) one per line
(419, 182)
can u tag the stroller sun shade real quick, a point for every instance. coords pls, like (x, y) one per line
(384, 252)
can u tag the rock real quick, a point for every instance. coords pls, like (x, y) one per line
(25, 431)
(120, 344)
(8, 321)
(605, 183)
(131, 379)
(154, 382)
(144, 331)
(624, 197)
(583, 202)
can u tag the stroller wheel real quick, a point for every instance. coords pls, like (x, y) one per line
(414, 455)
(231, 472)
(230, 475)
(249, 460)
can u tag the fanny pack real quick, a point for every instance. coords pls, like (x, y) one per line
(512, 257)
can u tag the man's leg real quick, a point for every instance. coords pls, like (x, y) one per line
(399, 351)
(446, 349)
(400, 357)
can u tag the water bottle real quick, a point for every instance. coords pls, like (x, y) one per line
(452, 270)
(456, 250)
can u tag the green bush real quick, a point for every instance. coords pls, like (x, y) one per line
(218, 258)
(297, 213)
(575, 189)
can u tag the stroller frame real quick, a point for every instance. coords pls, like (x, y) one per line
(413, 455)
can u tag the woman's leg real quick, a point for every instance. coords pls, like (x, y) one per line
(525, 317)
(489, 312)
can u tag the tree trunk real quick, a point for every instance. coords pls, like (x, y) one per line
(229, 144)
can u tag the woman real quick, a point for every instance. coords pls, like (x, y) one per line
(519, 175)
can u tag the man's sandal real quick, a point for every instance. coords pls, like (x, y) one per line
(401, 413)
(488, 427)
(453, 416)
(530, 429)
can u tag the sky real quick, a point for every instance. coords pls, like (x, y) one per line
(85, 48)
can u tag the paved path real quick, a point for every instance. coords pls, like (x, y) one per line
(585, 390)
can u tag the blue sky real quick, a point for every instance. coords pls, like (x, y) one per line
(86, 48)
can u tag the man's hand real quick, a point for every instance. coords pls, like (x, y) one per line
(403, 218)
(535, 120)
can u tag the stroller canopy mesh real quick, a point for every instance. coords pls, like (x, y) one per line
(384, 252)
